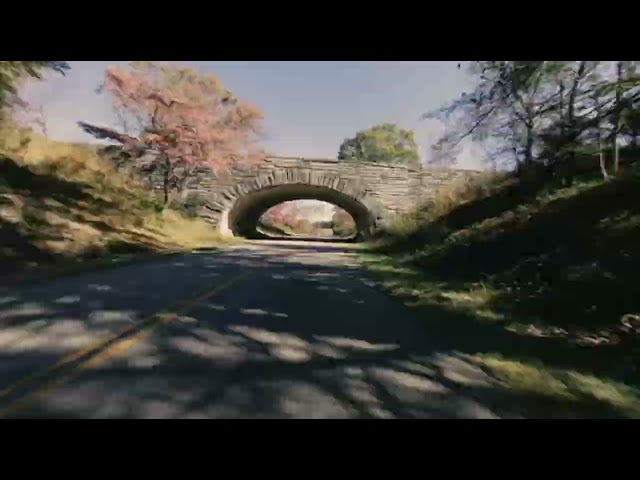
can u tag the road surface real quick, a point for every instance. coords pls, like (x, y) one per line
(266, 330)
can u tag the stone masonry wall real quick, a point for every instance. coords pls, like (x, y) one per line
(396, 188)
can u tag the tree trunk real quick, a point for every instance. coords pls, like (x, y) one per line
(528, 152)
(616, 118)
(183, 181)
(571, 160)
(167, 176)
(514, 146)
(562, 119)
(603, 167)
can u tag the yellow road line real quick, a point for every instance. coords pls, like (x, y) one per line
(93, 362)
(147, 325)
(26, 381)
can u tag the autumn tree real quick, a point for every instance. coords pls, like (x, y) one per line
(184, 118)
(384, 143)
(285, 214)
(343, 223)
(302, 226)
(275, 215)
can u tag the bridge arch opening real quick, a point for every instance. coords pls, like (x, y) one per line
(307, 219)
(242, 219)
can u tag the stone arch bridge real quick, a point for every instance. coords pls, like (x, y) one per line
(371, 193)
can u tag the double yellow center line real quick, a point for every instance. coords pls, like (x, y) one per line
(40, 383)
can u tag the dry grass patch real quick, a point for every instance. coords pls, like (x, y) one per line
(61, 200)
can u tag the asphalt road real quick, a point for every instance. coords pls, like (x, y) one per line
(267, 330)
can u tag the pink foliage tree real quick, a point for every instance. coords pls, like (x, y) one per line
(343, 223)
(186, 118)
(275, 215)
(283, 214)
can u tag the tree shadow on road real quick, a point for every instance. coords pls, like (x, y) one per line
(342, 351)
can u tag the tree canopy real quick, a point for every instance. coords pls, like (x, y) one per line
(532, 112)
(384, 143)
(183, 117)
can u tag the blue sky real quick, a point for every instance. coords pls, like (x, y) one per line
(309, 107)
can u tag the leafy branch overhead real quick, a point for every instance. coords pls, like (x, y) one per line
(543, 111)
(13, 73)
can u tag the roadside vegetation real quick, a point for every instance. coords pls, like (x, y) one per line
(535, 269)
(532, 269)
(64, 203)
(544, 284)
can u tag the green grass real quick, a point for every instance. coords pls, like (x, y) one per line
(530, 272)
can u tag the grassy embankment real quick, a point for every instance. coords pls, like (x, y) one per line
(63, 208)
(531, 279)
